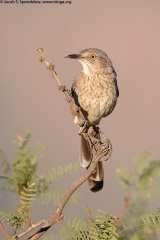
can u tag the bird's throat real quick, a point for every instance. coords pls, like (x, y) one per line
(85, 67)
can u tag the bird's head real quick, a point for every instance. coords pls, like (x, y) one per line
(92, 60)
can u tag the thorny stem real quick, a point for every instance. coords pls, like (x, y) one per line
(50, 66)
(124, 209)
(89, 212)
(3, 229)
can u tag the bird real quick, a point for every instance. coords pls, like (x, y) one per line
(95, 91)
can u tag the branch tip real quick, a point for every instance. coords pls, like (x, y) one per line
(40, 50)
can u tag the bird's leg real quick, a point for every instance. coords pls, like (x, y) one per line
(105, 145)
(94, 137)
(101, 134)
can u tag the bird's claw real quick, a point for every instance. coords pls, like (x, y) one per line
(108, 146)
(83, 128)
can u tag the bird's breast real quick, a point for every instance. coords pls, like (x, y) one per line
(97, 96)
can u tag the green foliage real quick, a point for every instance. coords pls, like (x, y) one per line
(54, 196)
(16, 177)
(4, 164)
(19, 217)
(47, 185)
(79, 228)
(24, 168)
(142, 228)
(103, 227)
(10, 238)
(145, 170)
(142, 185)
(54, 174)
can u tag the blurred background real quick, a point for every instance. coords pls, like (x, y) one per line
(129, 32)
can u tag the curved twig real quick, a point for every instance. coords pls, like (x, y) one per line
(99, 150)
(57, 215)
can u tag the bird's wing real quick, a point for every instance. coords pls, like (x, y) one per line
(85, 153)
(116, 86)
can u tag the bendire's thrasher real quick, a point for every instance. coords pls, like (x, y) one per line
(95, 90)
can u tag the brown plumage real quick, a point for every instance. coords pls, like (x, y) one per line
(95, 90)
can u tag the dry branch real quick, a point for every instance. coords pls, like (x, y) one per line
(99, 150)
(31, 228)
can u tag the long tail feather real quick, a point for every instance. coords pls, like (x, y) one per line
(96, 179)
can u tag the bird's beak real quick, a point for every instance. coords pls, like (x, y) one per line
(74, 56)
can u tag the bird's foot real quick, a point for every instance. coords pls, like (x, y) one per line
(105, 143)
(108, 146)
(83, 128)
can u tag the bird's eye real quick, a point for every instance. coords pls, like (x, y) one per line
(93, 56)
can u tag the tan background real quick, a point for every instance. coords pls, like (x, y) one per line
(129, 32)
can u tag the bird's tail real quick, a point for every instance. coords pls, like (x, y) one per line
(96, 179)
